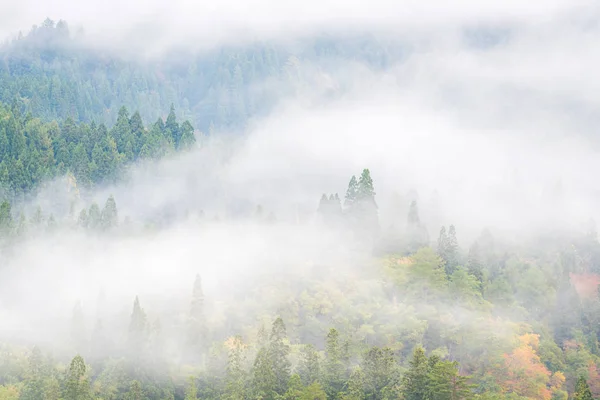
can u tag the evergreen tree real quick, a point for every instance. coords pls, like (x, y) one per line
(235, 380)
(137, 329)
(187, 139)
(279, 351)
(351, 193)
(172, 127)
(309, 367)
(94, 217)
(334, 369)
(77, 386)
(380, 372)
(355, 387)
(264, 379)
(446, 384)
(582, 390)
(451, 251)
(415, 382)
(109, 217)
(34, 384)
(474, 263)
(6, 220)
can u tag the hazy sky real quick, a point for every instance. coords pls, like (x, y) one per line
(158, 22)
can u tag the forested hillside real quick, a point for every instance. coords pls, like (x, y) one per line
(349, 303)
(54, 76)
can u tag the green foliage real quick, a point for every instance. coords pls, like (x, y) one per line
(32, 151)
(582, 390)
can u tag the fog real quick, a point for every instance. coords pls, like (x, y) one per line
(492, 131)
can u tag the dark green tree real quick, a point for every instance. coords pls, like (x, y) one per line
(582, 390)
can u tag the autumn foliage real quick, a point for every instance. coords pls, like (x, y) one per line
(524, 374)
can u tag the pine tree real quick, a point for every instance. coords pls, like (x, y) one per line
(137, 329)
(279, 352)
(172, 127)
(33, 388)
(309, 368)
(6, 220)
(351, 193)
(451, 251)
(187, 139)
(334, 369)
(109, 217)
(94, 217)
(415, 382)
(380, 371)
(474, 264)
(582, 390)
(235, 380)
(264, 379)
(355, 387)
(445, 383)
(77, 386)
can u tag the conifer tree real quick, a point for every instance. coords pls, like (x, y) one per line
(109, 217)
(94, 217)
(279, 352)
(6, 220)
(264, 379)
(137, 329)
(451, 251)
(77, 386)
(34, 384)
(333, 371)
(474, 264)
(415, 381)
(309, 367)
(351, 193)
(445, 383)
(582, 390)
(235, 380)
(187, 139)
(355, 387)
(380, 371)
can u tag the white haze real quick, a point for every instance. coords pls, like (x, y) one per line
(491, 130)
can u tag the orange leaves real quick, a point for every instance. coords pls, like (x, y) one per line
(523, 372)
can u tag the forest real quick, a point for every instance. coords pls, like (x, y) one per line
(388, 307)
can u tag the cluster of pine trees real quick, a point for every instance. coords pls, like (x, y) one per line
(32, 151)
